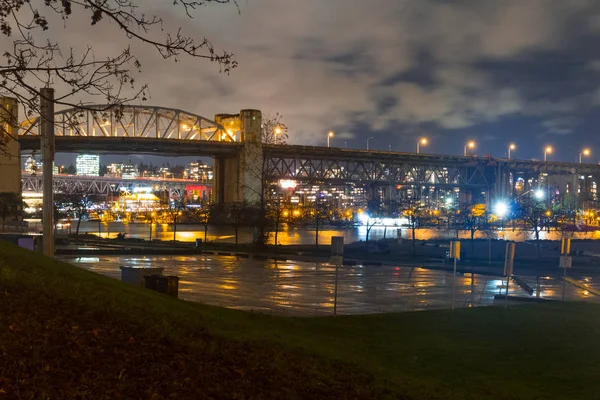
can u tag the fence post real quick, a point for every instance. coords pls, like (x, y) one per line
(336, 257)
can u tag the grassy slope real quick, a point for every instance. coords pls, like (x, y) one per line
(546, 352)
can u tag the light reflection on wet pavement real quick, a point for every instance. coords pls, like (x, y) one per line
(307, 289)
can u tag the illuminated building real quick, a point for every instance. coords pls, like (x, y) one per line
(142, 199)
(88, 164)
(114, 170)
(199, 171)
(129, 171)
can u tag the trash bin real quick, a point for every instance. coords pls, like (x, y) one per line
(198, 242)
(168, 285)
(151, 282)
(135, 276)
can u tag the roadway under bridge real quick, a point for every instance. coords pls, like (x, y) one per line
(242, 161)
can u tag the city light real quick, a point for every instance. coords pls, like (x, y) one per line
(448, 200)
(329, 136)
(278, 131)
(539, 194)
(287, 184)
(501, 209)
(584, 152)
(547, 150)
(470, 145)
(511, 147)
(421, 142)
(363, 217)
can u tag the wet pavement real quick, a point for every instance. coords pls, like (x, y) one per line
(308, 289)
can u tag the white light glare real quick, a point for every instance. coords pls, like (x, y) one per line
(539, 194)
(363, 218)
(448, 200)
(501, 209)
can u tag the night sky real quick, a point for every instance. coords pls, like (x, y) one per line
(494, 71)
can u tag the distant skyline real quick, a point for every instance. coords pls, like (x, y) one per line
(493, 71)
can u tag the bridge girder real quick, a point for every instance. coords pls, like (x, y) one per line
(97, 185)
(132, 122)
(372, 171)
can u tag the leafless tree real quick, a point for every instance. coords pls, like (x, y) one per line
(476, 219)
(535, 215)
(274, 131)
(319, 212)
(370, 223)
(36, 57)
(412, 207)
(174, 209)
(236, 215)
(275, 209)
(78, 203)
(202, 215)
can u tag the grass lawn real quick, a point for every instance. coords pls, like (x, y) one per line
(69, 333)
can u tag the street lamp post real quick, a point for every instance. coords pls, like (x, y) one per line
(511, 146)
(369, 138)
(470, 145)
(547, 150)
(329, 136)
(584, 152)
(423, 142)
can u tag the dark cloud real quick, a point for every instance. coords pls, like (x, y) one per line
(389, 68)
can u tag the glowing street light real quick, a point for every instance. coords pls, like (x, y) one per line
(539, 194)
(277, 130)
(470, 145)
(584, 152)
(423, 142)
(511, 146)
(547, 150)
(329, 136)
(369, 138)
(501, 209)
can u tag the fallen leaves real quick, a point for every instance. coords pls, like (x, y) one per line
(81, 354)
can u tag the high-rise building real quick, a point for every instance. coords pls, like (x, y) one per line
(114, 170)
(199, 171)
(129, 171)
(88, 164)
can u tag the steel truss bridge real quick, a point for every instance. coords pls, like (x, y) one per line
(339, 166)
(166, 131)
(102, 185)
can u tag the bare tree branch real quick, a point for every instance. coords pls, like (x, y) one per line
(36, 60)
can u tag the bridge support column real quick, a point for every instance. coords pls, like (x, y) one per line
(10, 155)
(242, 178)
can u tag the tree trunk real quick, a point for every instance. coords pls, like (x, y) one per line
(236, 233)
(367, 237)
(174, 228)
(317, 235)
(276, 230)
(205, 232)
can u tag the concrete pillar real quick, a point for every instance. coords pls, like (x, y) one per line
(10, 151)
(240, 178)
